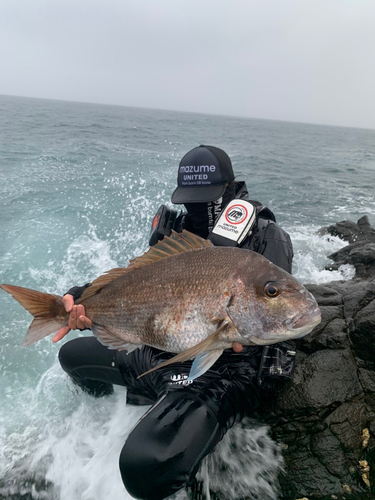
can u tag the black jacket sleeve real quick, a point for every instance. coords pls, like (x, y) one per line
(183, 221)
(274, 243)
(77, 291)
(277, 247)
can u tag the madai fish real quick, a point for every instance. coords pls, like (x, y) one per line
(185, 296)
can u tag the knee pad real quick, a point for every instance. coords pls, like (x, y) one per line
(165, 449)
(68, 355)
(78, 357)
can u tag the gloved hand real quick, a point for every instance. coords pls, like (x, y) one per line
(77, 291)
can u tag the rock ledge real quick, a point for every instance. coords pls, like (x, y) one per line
(325, 417)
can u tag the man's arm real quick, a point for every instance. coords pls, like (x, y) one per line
(277, 247)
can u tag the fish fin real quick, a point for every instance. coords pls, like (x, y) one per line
(193, 352)
(100, 282)
(169, 245)
(110, 339)
(130, 347)
(192, 239)
(48, 311)
(202, 363)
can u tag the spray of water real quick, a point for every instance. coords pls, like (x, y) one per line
(310, 256)
(245, 464)
(66, 444)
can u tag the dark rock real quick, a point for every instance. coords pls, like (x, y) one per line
(362, 333)
(333, 336)
(323, 380)
(328, 450)
(356, 294)
(326, 295)
(317, 338)
(320, 416)
(347, 423)
(367, 379)
(360, 255)
(350, 231)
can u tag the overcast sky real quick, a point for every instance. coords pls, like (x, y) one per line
(296, 60)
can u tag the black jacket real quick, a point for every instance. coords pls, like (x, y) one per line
(267, 238)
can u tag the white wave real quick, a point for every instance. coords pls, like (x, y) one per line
(66, 445)
(86, 258)
(311, 256)
(70, 447)
(246, 463)
(84, 458)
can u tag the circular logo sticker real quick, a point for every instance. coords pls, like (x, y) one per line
(236, 214)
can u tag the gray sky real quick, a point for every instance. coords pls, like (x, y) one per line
(298, 60)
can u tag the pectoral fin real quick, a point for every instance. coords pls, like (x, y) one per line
(202, 363)
(130, 347)
(110, 339)
(202, 350)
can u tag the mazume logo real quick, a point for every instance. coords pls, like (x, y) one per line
(236, 214)
(197, 169)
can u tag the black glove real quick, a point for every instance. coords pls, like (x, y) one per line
(77, 291)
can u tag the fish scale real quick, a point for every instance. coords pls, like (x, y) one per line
(170, 307)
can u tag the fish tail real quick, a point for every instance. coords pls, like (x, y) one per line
(48, 311)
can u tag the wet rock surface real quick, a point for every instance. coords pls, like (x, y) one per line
(324, 418)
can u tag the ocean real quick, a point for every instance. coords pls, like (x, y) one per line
(79, 185)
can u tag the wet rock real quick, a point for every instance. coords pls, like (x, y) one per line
(334, 335)
(351, 231)
(328, 450)
(356, 295)
(323, 380)
(362, 334)
(326, 295)
(321, 416)
(359, 255)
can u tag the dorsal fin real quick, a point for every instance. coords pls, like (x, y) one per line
(100, 282)
(171, 245)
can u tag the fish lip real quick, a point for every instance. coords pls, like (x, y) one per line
(306, 321)
(300, 327)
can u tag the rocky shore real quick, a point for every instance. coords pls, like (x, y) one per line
(324, 418)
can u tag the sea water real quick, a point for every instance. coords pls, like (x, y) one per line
(79, 185)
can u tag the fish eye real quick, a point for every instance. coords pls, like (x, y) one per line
(271, 290)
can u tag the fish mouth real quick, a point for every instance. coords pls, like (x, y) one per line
(307, 322)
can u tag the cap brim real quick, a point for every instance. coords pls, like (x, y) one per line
(197, 194)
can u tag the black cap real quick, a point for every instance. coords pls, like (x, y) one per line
(202, 175)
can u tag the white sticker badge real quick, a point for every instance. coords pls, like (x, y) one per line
(236, 221)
